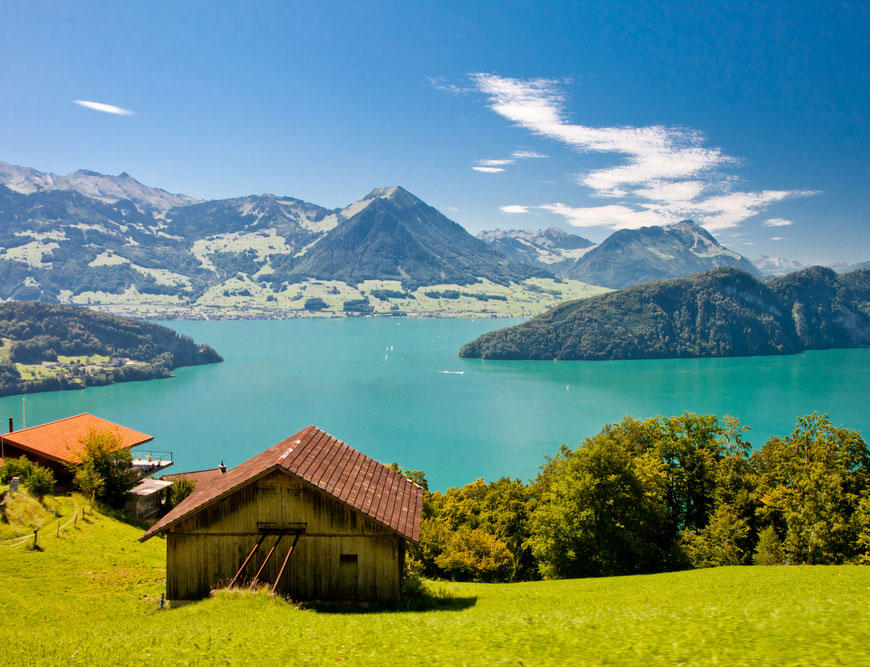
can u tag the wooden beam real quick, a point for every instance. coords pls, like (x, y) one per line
(256, 546)
(284, 564)
(268, 556)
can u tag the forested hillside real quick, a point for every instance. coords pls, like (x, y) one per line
(720, 313)
(45, 347)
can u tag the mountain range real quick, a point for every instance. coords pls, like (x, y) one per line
(626, 257)
(724, 312)
(117, 244)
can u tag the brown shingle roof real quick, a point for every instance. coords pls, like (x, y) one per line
(327, 463)
(61, 440)
(195, 476)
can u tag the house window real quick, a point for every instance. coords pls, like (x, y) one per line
(347, 558)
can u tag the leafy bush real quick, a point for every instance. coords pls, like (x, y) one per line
(40, 481)
(35, 478)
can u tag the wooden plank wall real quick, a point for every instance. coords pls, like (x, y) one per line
(205, 551)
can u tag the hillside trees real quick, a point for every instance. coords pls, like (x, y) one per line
(660, 494)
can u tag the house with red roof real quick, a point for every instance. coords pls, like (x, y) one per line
(311, 518)
(59, 444)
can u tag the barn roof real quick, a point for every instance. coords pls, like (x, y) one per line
(195, 476)
(62, 440)
(329, 464)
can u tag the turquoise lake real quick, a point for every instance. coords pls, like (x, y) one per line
(395, 389)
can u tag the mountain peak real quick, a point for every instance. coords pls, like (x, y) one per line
(395, 193)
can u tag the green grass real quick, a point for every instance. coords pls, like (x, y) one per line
(91, 597)
(22, 513)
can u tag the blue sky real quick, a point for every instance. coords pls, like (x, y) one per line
(751, 119)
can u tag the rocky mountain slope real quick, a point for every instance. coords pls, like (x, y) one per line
(551, 249)
(724, 312)
(770, 267)
(633, 256)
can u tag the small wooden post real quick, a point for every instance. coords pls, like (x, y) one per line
(75, 518)
(58, 527)
(35, 532)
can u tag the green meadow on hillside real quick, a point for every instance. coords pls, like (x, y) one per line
(91, 596)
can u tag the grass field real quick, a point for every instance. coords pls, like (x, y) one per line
(91, 596)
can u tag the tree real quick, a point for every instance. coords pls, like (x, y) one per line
(720, 542)
(601, 509)
(474, 554)
(178, 492)
(88, 480)
(810, 486)
(111, 462)
(769, 549)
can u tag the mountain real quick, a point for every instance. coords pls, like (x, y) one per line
(720, 313)
(102, 187)
(111, 242)
(848, 268)
(392, 235)
(632, 256)
(776, 266)
(551, 249)
(45, 347)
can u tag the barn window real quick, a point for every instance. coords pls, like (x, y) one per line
(347, 558)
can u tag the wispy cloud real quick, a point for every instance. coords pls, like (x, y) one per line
(666, 172)
(778, 222)
(514, 209)
(442, 84)
(777, 238)
(528, 155)
(105, 108)
(495, 163)
(488, 170)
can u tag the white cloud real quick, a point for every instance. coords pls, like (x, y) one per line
(514, 208)
(105, 108)
(715, 213)
(653, 152)
(777, 222)
(666, 173)
(494, 163)
(489, 170)
(614, 216)
(527, 155)
(671, 191)
(777, 238)
(730, 209)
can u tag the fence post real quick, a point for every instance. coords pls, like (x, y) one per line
(36, 530)
(58, 528)
(75, 518)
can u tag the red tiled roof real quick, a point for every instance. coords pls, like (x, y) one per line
(195, 476)
(61, 440)
(327, 463)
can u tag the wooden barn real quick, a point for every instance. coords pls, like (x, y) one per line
(311, 517)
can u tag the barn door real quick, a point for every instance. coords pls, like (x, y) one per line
(348, 573)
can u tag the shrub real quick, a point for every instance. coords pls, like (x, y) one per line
(36, 479)
(40, 481)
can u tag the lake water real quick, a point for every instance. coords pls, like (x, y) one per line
(395, 389)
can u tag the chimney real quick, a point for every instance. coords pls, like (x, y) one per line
(222, 467)
(10, 425)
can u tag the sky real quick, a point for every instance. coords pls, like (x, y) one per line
(751, 119)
